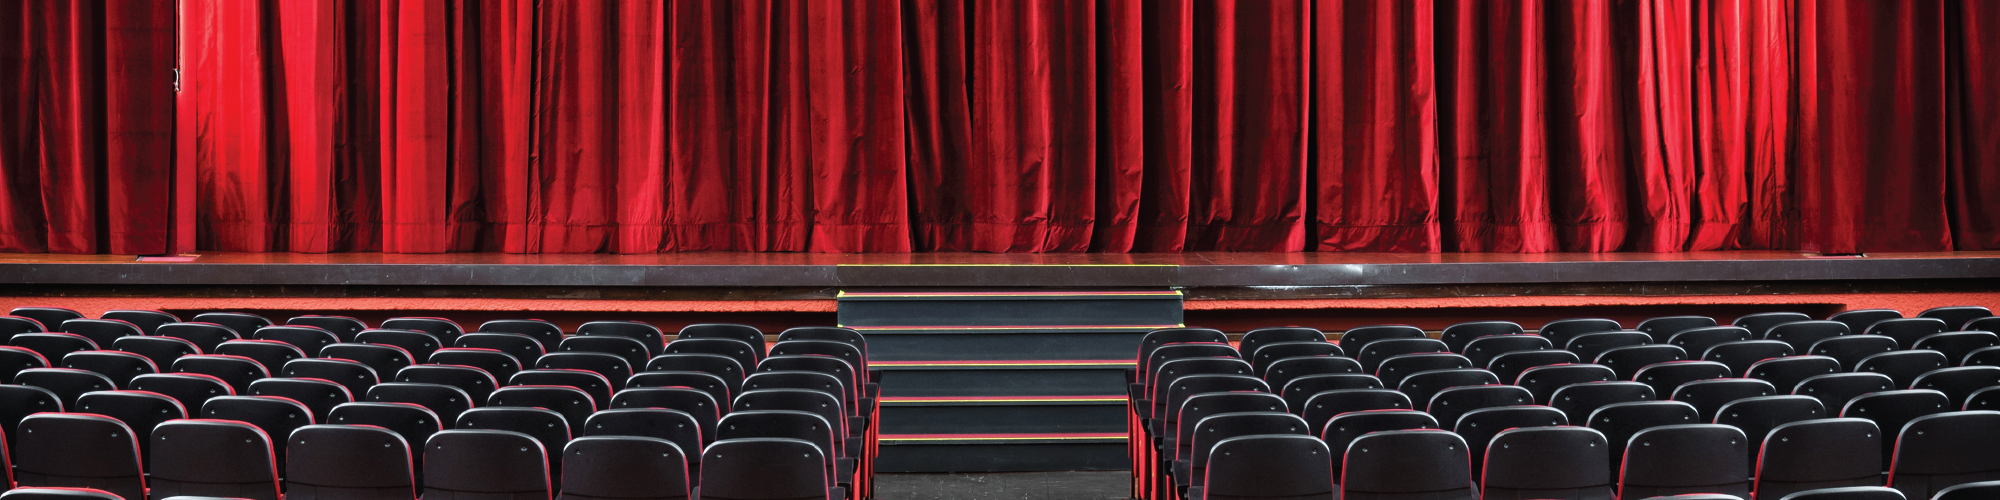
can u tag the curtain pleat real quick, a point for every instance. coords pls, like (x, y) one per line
(1973, 67)
(643, 126)
(1375, 129)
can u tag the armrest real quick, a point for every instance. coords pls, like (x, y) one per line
(1183, 473)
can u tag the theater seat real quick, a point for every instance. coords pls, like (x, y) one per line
(574, 404)
(66, 383)
(14, 359)
(488, 465)
(1570, 463)
(1816, 454)
(1480, 426)
(341, 326)
(765, 468)
(1935, 452)
(203, 335)
(415, 424)
(1396, 465)
(445, 330)
(140, 411)
(545, 333)
(646, 334)
(190, 389)
(382, 359)
(705, 382)
(78, 450)
(623, 468)
(1268, 466)
(357, 377)
(523, 348)
(496, 363)
(1681, 459)
(746, 333)
(213, 458)
(276, 416)
(475, 382)
(674, 426)
(443, 400)
(243, 324)
(546, 426)
(348, 462)
(148, 321)
(161, 350)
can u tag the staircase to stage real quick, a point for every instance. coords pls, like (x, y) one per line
(996, 380)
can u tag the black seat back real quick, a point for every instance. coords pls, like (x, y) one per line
(623, 467)
(348, 461)
(1679, 459)
(1815, 454)
(213, 458)
(1407, 464)
(485, 464)
(1546, 462)
(45, 453)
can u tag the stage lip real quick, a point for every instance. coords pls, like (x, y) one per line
(1194, 270)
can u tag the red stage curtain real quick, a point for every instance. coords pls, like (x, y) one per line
(1375, 127)
(1973, 123)
(642, 126)
(85, 126)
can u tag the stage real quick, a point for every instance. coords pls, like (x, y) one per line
(1229, 290)
(1186, 270)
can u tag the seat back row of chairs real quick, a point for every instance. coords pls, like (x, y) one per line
(1217, 391)
(708, 389)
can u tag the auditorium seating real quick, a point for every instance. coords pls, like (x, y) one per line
(229, 405)
(1680, 407)
(324, 405)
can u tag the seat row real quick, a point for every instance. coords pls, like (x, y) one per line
(235, 459)
(1331, 396)
(814, 369)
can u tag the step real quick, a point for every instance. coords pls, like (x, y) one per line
(1036, 344)
(1027, 415)
(1003, 380)
(934, 453)
(990, 311)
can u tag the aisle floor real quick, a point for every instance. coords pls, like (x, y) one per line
(1004, 486)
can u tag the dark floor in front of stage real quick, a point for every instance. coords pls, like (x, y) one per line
(1004, 486)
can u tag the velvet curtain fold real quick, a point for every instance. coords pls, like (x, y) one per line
(85, 126)
(640, 126)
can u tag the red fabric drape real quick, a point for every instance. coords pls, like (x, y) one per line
(1872, 161)
(1375, 127)
(84, 127)
(644, 126)
(1973, 123)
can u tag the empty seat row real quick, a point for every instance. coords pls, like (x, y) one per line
(711, 363)
(1332, 392)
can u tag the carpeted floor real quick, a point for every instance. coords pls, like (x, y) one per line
(1004, 486)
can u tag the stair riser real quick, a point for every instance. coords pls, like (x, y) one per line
(1005, 346)
(1003, 419)
(998, 382)
(1077, 312)
(1000, 457)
